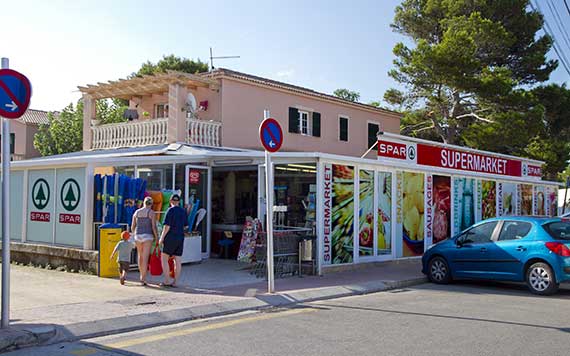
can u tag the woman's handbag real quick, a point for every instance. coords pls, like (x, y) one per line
(155, 261)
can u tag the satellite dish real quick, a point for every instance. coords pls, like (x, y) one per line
(191, 102)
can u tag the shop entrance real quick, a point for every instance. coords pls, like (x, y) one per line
(197, 192)
(234, 198)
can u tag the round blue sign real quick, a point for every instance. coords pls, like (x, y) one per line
(271, 135)
(15, 93)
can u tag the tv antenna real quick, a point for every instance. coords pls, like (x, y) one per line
(220, 57)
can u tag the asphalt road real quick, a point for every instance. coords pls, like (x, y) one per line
(461, 319)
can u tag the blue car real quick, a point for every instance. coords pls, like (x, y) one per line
(535, 250)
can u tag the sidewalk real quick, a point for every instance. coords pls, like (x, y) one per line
(64, 306)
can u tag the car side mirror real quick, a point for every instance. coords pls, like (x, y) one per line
(459, 242)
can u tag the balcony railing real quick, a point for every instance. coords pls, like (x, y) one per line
(130, 134)
(205, 133)
(153, 132)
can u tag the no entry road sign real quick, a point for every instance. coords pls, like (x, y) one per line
(271, 135)
(15, 93)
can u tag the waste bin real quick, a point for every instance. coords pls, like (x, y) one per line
(109, 236)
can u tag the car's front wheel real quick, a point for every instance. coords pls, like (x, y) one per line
(438, 271)
(540, 279)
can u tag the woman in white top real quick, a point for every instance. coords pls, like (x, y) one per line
(144, 227)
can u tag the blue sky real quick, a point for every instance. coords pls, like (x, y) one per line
(322, 45)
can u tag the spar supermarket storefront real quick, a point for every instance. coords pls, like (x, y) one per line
(418, 193)
(393, 206)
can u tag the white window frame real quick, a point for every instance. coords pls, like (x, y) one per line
(347, 128)
(308, 123)
(164, 107)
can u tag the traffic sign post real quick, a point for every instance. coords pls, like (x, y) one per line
(15, 93)
(271, 137)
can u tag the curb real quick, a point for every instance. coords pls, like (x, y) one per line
(105, 327)
(17, 337)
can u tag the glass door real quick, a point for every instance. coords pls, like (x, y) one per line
(197, 196)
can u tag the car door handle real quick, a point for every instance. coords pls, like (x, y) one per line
(520, 248)
(483, 249)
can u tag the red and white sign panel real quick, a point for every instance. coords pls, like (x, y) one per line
(443, 157)
(39, 216)
(467, 161)
(194, 176)
(70, 219)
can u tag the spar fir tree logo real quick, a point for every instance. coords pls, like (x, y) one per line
(40, 194)
(70, 194)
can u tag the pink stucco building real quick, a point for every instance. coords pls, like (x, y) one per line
(22, 134)
(224, 108)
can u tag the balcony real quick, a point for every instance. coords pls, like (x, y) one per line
(153, 132)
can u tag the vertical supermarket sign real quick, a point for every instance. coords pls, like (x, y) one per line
(499, 199)
(429, 210)
(327, 216)
(478, 207)
(519, 199)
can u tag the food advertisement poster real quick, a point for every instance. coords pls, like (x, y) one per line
(342, 224)
(551, 205)
(413, 214)
(488, 199)
(441, 203)
(384, 243)
(539, 206)
(366, 214)
(463, 203)
(526, 199)
(508, 199)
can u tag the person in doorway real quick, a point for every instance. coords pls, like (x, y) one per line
(172, 239)
(124, 248)
(144, 227)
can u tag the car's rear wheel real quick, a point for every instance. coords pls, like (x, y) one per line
(540, 279)
(438, 271)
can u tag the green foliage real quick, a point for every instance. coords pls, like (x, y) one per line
(470, 59)
(64, 132)
(172, 62)
(347, 94)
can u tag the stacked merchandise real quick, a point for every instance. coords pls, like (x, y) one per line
(118, 192)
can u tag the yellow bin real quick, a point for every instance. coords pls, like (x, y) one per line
(109, 236)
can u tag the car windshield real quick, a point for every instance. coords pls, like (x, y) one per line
(559, 230)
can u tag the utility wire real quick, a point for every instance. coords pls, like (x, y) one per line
(567, 7)
(549, 32)
(559, 22)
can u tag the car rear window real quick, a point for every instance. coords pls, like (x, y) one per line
(559, 230)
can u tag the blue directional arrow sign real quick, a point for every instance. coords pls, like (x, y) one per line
(271, 135)
(15, 93)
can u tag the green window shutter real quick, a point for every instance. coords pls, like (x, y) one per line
(316, 124)
(293, 120)
(343, 129)
(372, 134)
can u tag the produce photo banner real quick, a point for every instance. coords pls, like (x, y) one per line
(539, 200)
(366, 214)
(342, 214)
(413, 214)
(488, 199)
(384, 242)
(526, 199)
(440, 203)
(463, 203)
(507, 199)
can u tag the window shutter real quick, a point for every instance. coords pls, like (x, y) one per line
(316, 124)
(343, 129)
(293, 120)
(372, 134)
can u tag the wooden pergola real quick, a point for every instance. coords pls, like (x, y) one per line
(146, 85)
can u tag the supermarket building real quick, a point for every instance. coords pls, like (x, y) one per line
(198, 134)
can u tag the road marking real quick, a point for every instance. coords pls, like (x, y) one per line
(84, 352)
(225, 324)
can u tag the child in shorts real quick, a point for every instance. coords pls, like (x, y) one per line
(124, 248)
